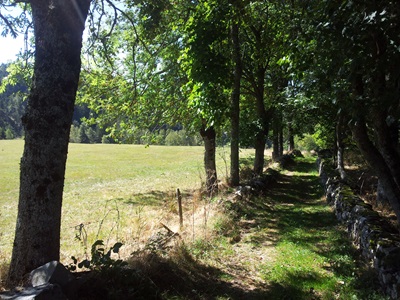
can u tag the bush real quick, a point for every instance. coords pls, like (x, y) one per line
(82, 133)
(181, 138)
(307, 143)
(9, 133)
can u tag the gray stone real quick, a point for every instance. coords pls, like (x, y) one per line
(51, 281)
(377, 239)
(52, 272)
(43, 292)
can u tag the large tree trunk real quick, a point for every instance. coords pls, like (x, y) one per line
(259, 146)
(235, 108)
(58, 27)
(387, 138)
(378, 163)
(208, 135)
(262, 114)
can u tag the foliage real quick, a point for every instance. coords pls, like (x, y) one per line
(100, 259)
(82, 133)
(306, 142)
(13, 23)
(12, 94)
(181, 138)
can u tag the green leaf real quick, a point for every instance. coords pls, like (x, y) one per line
(116, 247)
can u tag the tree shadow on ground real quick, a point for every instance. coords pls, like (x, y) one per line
(292, 205)
(153, 198)
(153, 276)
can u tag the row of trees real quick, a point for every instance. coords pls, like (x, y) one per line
(12, 106)
(248, 67)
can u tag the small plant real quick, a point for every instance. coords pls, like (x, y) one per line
(101, 260)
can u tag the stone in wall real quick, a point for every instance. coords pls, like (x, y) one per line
(377, 239)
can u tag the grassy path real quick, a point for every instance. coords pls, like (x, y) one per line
(286, 245)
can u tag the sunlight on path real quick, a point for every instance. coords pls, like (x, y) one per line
(290, 246)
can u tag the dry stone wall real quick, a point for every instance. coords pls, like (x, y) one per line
(377, 239)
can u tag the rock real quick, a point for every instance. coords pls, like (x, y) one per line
(295, 153)
(52, 272)
(43, 292)
(286, 161)
(51, 281)
(377, 239)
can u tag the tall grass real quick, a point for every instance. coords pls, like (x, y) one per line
(111, 191)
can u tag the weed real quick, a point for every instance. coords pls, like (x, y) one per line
(101, 259)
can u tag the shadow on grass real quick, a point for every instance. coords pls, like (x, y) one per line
(292, 212)
(153, 276)
(154, 198)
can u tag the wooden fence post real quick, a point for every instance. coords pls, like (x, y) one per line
(179, 198)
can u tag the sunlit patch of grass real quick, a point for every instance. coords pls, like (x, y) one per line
(300, 268)
(314, 258)
(113, 192)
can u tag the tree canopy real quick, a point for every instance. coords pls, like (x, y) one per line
(268, 69)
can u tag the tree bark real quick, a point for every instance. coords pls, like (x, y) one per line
(387, 142)
(262, 114)
(235, 107)
(378, 163)
(259, 146)
(275, 143)
(291, 137)
(58, 27)
(277, 151)
(208, 135)
(280, 139)
(340, 135)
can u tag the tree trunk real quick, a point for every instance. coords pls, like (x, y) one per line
(259, 146)
(235, 108)
(280, 138)
(262, 114)
(208, 135)
(381, 198)
(387, 142)
(340, 146)
(275, 144)
(277, 151)
(291, 137)
(377, 162)
(58, 27)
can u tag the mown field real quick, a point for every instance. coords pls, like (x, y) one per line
(112, 192)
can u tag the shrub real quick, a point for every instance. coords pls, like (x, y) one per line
(307, 143)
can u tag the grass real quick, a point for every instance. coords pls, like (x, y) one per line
(284, 244)
(112, 192)
(290, 245)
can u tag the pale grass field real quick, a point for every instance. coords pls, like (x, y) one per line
(116, 193)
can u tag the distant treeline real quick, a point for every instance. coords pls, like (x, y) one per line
(12, 107)
(82, 133)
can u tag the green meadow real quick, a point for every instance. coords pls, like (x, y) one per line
(286, 244)
(112, 192)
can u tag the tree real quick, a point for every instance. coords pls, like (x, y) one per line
(264, 40)
(358, 46)
(207, 64)
(58, 28)
(235, 99)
